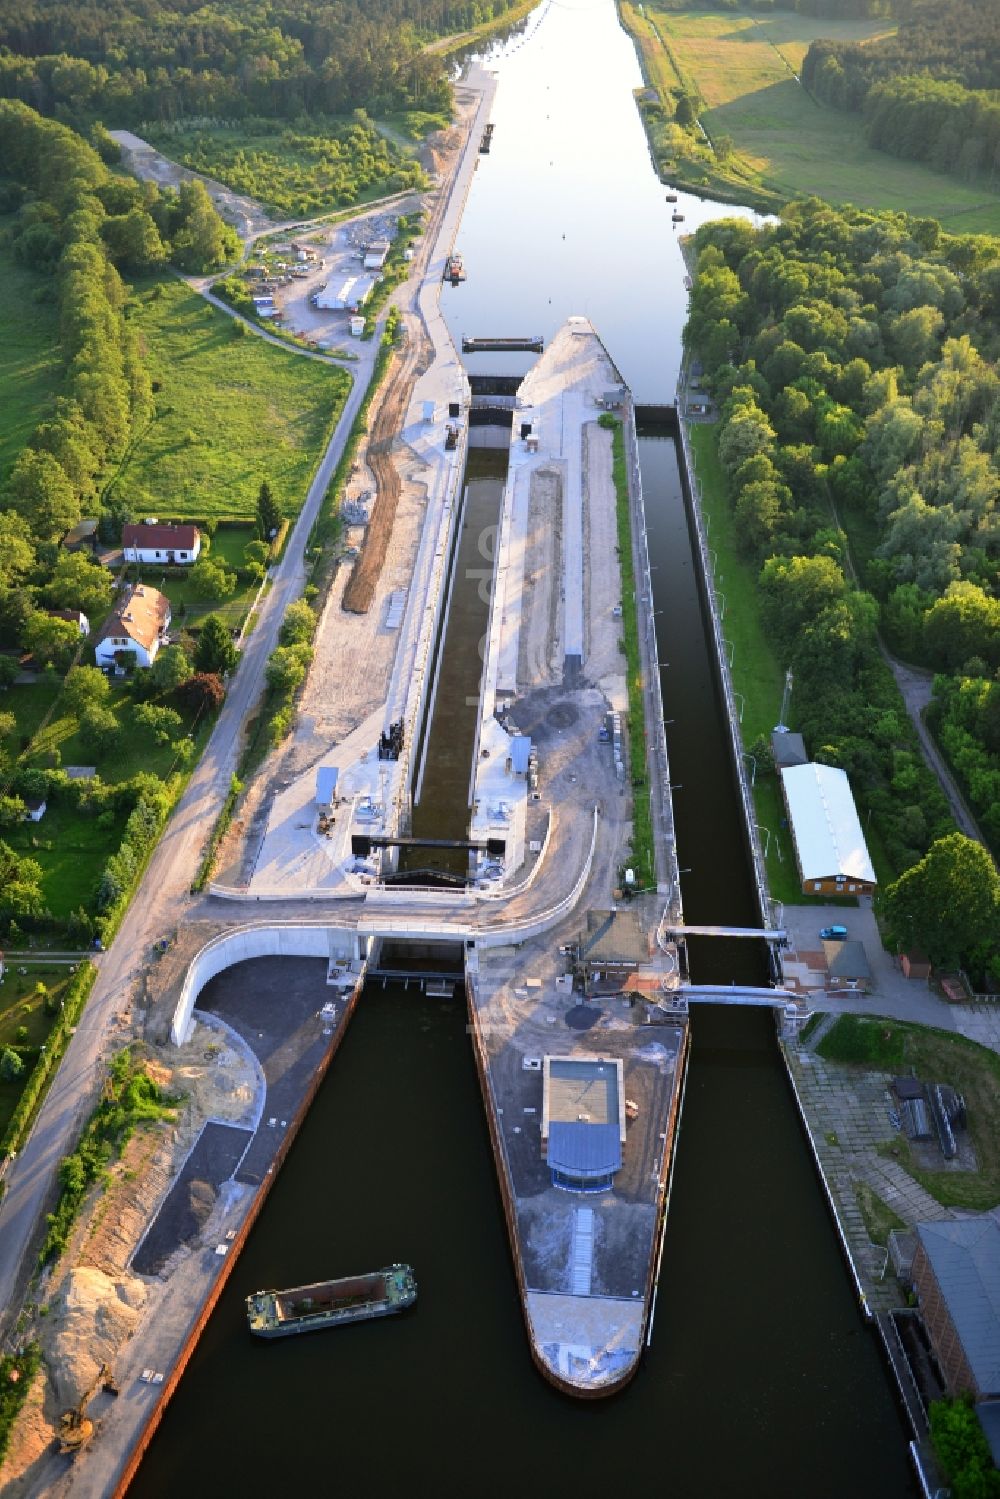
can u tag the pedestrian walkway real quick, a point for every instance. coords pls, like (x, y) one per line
(849, 1113)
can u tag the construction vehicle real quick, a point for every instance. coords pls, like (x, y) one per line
(75, 1426)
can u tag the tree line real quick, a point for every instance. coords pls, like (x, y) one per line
(927, 92)
(853, 356)
(72, 220)
(126, 62)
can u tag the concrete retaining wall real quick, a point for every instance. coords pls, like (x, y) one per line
(285, 941)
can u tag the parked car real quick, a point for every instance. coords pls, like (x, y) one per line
(833, 933)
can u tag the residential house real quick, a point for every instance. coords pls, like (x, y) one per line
(83, 536)
(34, 808)
(74, 616)
(136, 627)
(152, 542)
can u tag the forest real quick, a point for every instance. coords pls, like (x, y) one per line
(927, 92)
(127, 63)
(69, 216)
(853, 356)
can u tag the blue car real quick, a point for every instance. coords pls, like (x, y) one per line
(833, 933)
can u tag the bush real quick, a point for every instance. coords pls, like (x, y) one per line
(865, 1042)
(130, 1096)
(963, 1450)
(17, 1371)
(11, 1065)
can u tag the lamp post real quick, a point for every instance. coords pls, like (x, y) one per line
(753, 762)
(743, 702)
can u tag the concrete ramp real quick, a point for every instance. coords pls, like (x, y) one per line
(582, 1262)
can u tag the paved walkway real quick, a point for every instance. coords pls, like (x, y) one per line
(848, 1111)
(848, 1116)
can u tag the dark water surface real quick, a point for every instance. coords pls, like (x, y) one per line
(762, 1379)
(441, 804)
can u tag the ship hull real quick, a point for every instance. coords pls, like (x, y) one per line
(332, 1303)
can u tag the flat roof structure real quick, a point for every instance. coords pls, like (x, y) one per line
(829, 843)
(520, 753)
(583, 1120)
(614, 939)
(346, 292)
(326, 784)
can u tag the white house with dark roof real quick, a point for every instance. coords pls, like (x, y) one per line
(136, 627)
(152, 542)
(72, 616)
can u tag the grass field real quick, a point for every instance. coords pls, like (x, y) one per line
(785, 143)
(30, 368)
(72, 848)
(757, 674)
(933, 1056)
(20, 1005)
(230, 411)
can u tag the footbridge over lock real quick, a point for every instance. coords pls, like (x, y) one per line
(765, 934)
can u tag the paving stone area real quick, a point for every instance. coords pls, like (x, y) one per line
(848, 1114)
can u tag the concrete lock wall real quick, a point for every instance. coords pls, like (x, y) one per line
(237, 946)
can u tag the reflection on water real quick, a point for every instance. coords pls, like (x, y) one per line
(762, 1378)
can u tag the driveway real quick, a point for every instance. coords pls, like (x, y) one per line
(892, 995)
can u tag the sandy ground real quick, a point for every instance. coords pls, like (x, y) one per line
(604, 662)
(92, 1303)
(150, 166)
(354, 653)
(539, 656)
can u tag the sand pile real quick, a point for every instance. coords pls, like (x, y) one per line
(91, 1317)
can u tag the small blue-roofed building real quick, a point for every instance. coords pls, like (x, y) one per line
(583, 1121)
(520, 754)
(326, 785)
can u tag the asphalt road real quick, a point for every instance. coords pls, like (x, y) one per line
(163, 898)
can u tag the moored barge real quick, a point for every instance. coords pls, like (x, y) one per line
(328, 1303)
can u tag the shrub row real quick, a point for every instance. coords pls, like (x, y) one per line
(642, 824)
(222, 822)
(130, 1096)
(17, 1373)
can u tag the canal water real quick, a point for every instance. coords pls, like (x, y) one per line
(441, 796)
(762, 1378)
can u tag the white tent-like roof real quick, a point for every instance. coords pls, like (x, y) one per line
(825, 824)
(348, 292)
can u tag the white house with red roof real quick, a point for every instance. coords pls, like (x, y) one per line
(151, 541)
(136, 626)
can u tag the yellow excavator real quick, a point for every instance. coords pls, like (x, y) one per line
(75, 1426)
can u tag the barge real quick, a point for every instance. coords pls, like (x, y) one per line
(328, 1303)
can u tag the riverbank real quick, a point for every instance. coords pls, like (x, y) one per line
(756, 135)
